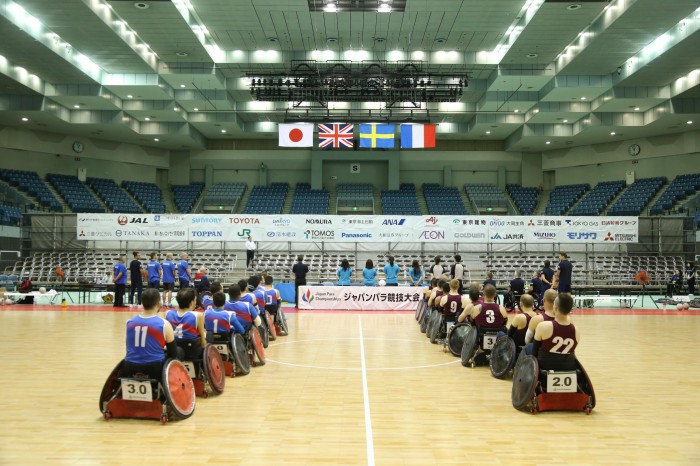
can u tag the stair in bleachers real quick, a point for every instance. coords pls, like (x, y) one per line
(542, 199)
(148, 194)
(114, 196)
(524, 200)
(333, 203)
(403, 201)
(78, 197)
(97, 196)
(310, 201)
(614, 200)
(377, 200)
(422, 203)
(267, 199)
(681, 189)
(563, 197)
(9, 195)
(467, 203)
(288, 201)
(31, 184)
(243, 201)
(595, 201)
(636, 198)
(168, 200)
(185, 196)
(443, 200)
(654, 199)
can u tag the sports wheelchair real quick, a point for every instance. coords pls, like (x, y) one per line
(536, 390)
(171, 397)
(456, 331)
(478, 343)
(233, 350)
(279, 320)
(504, 355)
(205, 367)
(511, 301)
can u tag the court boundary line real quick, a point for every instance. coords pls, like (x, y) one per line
(365, 394)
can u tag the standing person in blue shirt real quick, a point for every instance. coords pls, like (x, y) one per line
(183, 271)
(344, 273)
(147, 334)
(188, 325)
(369, 273)
(416, 274)
(155, 272)
(391, 271)
(168, 279)
(136, 279)
(119, 281)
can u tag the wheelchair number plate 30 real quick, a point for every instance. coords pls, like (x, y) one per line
(189, 365)
(136, 390)
(489, 341)
(561, 382)
(222, 349)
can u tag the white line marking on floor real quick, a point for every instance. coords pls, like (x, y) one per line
(370, 369)
(368, 416)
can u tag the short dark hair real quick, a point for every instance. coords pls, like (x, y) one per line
(254, 281)
(564, 303)
(242, 284)
(369, 264)
(300, 258)
(474, 294)
(489, 291)
(234, 291)
(135, 253)
(150, 298)
(547, 263)
(184, 297)
(564, 255)
(446, 287)
(458, 258)
(219, 299)
(152, 255)
(268, 279)
(216, 286)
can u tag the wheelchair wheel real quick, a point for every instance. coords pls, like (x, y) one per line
(282, 322)
(111, 386)
(427, 314)
(525, 383)
(437, 327)
(213, 367)
(179, 389)
(271, 327)
(455, 340)
(264, 333)
(419, 310)
(502, 357)
(469, 346)
(240, 354)
(256, 345)
(586, 386)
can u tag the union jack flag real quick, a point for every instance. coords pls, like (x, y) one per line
(335, 135)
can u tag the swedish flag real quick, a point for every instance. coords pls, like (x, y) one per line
(377, 136)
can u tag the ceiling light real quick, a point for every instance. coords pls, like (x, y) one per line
(182, 85)
(636, 109)
(566, 121)
(612, 133)
(516, 110)
(156, 139)
(129, 96)
(27, 119)
(548, 142)
(689, 122)
(583, 98)
(223, 130)
(330, 8)
(141, 5)
(272, 40)
(181, 54)
(573, 6)
(440, 40)
(195, 109)
(384, 8)
(332, 40)
(147, 119)
(532, 55)
(488, 132)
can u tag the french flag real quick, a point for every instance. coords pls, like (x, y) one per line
(417, 136)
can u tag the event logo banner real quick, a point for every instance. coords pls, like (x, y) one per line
(351, 228)
(360, 298)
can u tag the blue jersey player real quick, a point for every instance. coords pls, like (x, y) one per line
(218, 321)
(245, 312)
(168, 279)
(155, 272)
(147, 336)
(188, 325)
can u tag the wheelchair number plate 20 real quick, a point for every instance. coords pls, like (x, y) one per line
(136, 390)
(489, 341)
(222, 349)
(189, 365)
(561, 382)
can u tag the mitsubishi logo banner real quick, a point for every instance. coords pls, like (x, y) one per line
(352, 228)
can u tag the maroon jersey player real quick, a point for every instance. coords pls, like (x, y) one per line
(453, 303)
(547, 316)
(556, 341)
(489, 315)
(519, 325)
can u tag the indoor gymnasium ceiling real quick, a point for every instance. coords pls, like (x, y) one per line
(176, 73)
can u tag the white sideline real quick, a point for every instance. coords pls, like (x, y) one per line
(365, 393)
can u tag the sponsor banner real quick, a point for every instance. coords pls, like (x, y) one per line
(360, 228)
(360, 298)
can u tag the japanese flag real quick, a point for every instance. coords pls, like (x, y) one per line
(296, 135)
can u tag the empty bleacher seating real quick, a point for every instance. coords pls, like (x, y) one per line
(76, 195)
(114, 196)
(681, 187)
(525, 199)
(355, 195)
(10, 215)
(225, 194)
(443, 200)
(563, 197)
(400, 202)
(598, 198)
(310, 201)
(485, 196)
(148, 194)
(267, 199)
(637, 196)
(185, 195)
(32, 184)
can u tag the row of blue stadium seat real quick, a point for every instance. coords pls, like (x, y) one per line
(267, 199)
(637, 196)
(680, 188)
(225, 193)
(525, 199)
(443, 200)
(32, 184)
(563, 197)
(148, 194)
(309, 201)
(185, 195)
(596, 200)
(75, 193)
(10, 215)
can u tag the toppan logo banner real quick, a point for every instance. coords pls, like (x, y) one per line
(319, 234)
(244, 220)
(545, 234)
(509, 236)
(432, 234)
(318, 221)
(394, 221)
(281, 222)
(123, 220)
(207, 234)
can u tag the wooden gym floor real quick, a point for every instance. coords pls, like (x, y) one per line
(353, 388)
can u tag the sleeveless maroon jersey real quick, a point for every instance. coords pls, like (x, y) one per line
(436, 301)
(490, 317)
(519, 337)
(453, 306)
(546, 317)
(562, 341)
